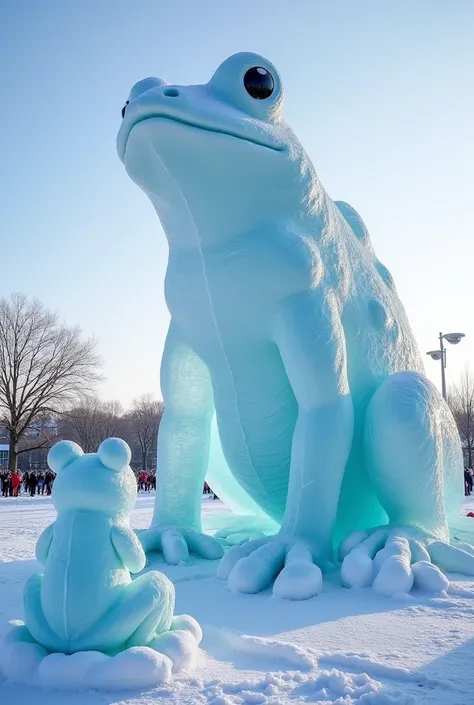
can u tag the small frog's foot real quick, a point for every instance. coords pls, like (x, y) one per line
(395, 559)
(18, 647)
(255, 565)
(180, 644)
(177, 542)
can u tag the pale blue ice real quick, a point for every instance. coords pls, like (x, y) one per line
(84, 606)
(290, 376)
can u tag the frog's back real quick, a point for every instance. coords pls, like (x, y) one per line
(379, 340)
(83, 573)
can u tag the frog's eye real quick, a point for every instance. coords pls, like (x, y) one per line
(124, 109)
(259, 83)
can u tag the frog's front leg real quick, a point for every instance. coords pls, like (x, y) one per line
(183, 455)
(311, 341)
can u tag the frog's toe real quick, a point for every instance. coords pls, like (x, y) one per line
(204, 545)
(394, 560)
(381, 561)
(176, 542)
(300, 579)
(429, 578)
(256, 572)
(171, 541)
(254, 566)
(453, 559)
(231, 558)
(351, 542)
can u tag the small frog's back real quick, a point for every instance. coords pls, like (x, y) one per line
(83, 574)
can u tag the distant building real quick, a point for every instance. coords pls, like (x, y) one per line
(28, 460)
(3, 456)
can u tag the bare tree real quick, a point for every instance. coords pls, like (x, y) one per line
(461, 401)
(144, 420)
(91, 421)
(44, 366)
(40, 435)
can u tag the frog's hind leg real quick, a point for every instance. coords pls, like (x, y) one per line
(35, 620)
(144, 610)
(404, 438)
(160, 615)
(414, 461)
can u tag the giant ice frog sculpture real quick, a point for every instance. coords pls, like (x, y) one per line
(288, 330)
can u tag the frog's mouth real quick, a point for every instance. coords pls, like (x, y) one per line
(128, 126)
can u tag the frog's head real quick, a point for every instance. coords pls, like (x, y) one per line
(217, 157)
(102, 481)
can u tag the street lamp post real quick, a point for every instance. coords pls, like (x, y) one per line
(440, 354)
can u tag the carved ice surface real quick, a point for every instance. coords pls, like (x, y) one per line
(288, 330)
(84, 616)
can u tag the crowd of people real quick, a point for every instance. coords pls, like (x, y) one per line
(146, 481)
(13, 484)
(33, 482)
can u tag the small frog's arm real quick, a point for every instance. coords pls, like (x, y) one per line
(128, 548)
(44, 544)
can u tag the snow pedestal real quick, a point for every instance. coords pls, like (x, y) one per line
(24, 661)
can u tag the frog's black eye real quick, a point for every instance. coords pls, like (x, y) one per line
(124, 109)
(259, 83)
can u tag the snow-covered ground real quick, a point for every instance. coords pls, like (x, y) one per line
(341, 648)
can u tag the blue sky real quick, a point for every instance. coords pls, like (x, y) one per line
(379, 93)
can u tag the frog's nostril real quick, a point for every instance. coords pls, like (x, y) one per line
(171, 92)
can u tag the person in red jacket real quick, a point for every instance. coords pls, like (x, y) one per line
(16, 482)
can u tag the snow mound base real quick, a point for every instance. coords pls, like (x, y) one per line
(24, 661)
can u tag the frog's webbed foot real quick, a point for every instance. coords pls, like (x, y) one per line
(394, 559)
(177, 542)
(255, 565)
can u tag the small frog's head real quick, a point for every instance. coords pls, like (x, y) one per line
(214, 156)
(102, 481)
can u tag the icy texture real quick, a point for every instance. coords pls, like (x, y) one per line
(287, 329)
(86, 601)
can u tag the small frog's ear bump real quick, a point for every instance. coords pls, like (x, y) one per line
(115, 454)
(62, 454)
